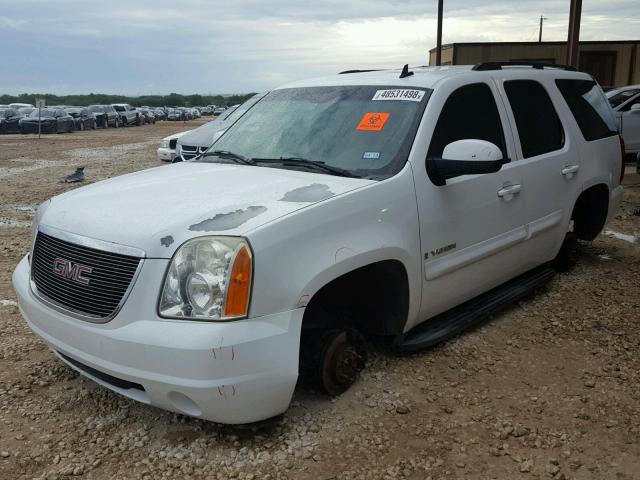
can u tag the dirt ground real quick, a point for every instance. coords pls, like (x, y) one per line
(548, 389)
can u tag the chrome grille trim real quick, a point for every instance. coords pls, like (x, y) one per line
(91, 242)
(187, 152)
(98, 303)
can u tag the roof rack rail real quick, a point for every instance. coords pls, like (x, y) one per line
(485, 66)
(357, 71)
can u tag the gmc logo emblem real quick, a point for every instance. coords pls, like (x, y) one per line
(72, 271)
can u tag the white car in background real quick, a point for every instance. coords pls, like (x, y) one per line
(625, 102)
(167, 149)
(198, 140)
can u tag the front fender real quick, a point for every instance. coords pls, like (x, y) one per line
(296, 255)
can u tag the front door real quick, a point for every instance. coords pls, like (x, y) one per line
(471, 229)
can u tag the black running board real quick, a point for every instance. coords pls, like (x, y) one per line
(452, 322)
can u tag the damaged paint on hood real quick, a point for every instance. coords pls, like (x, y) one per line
(157, 210)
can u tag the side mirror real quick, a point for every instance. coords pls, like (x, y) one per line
(635, 108)
(464, 157)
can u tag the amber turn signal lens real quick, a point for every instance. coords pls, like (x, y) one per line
(239, 286)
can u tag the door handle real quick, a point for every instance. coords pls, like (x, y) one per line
(569, 170)
(507, 193)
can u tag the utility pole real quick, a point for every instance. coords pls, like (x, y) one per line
(439, 35)
(542, 19)
(573, 40)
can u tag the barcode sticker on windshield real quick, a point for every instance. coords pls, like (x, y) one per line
(399, 94)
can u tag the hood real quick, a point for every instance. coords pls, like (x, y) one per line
(176, 135)
(159, 209)
(205, 135)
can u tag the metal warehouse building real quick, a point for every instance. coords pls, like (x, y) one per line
(612, 63)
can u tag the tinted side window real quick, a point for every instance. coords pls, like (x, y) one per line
(539, 127)
(469, 113)
(589, 107)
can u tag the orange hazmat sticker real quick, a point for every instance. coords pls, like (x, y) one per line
(373, 121)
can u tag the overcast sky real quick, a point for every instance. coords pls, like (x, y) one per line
(237, 46)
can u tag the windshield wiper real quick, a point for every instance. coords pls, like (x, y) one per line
(313, 164)
(227, 155)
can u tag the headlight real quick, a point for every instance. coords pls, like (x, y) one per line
(164, 144)
(37, 217)
(209, 278)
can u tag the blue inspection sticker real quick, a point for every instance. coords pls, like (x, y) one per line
(371, 155)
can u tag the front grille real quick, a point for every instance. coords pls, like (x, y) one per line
(172, 143)
(191, 151)
(81, 279)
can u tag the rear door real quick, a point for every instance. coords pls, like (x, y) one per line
(549, 161)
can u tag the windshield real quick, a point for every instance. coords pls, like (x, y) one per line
(96, 108)
(366, 130)
(44, 114)
(119, 108)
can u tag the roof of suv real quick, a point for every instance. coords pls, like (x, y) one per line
(428, 77)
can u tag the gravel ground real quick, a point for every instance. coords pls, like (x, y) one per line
(548, 389)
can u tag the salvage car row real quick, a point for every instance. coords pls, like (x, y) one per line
(25, 118)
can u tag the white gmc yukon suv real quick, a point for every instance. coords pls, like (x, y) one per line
(404, 204)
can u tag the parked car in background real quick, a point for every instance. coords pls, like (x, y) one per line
(159, 113)
(106, 115)
(17, 106)
(219, 110)
(52, 120)
(175, 114)
(84, 119)
(147, 115)
(625, 102)
(167, 149)
(128, 114)
(9, 120)
(195, 142)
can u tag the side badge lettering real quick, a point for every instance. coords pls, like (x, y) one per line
(440, 251)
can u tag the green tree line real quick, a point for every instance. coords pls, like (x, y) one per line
(171, 100)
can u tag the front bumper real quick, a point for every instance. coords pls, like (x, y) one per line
(228, 372)
(166, 154)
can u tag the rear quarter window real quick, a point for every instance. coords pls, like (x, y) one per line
(590, 108)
